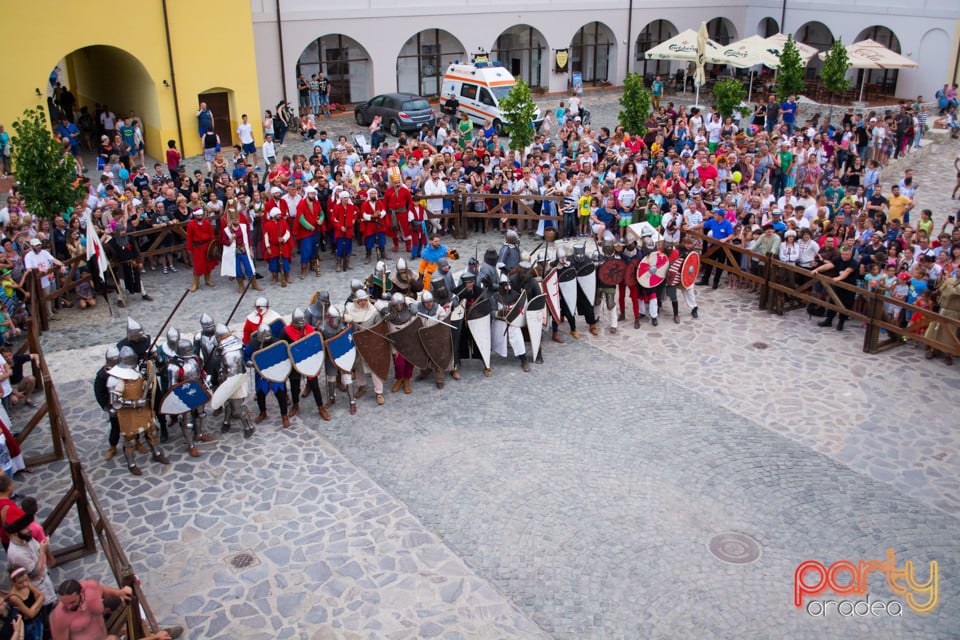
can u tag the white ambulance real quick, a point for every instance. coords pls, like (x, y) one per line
(479, 88)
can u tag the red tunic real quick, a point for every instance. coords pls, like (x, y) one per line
(308, 211)
(199, 235)
(378, 221)
(398, 198)
(344, 218)
(277, 239)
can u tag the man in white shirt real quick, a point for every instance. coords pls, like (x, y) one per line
(108, 120)
(40, 260)
(245, 133)
(573, 107)
(787, 198)
(434, 187)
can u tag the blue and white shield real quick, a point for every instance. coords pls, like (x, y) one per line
(273, 362)
(186, 396)
(307, 354)
(276, 328)
(342, 350)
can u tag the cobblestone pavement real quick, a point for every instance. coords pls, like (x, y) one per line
(495, 509)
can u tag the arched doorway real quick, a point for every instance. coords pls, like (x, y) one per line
(523, 50)
(344, 63)
(722, 31)
(885, 78)
(818, 35)
(423, 60)
(650, 36)
(767, 27)
(934, 54)
(103, 76)
(593, 52)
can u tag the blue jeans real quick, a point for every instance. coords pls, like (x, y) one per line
(315, 101)
(243, 267)
(276, 263)
(790, 127)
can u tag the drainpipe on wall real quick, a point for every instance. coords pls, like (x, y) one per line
(173, 78)
(630, 37)
(283, 65)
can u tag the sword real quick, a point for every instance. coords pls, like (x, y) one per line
(236, 306)
(423, 315)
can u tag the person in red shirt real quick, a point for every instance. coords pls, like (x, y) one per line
(173, 159)
(278, 244)
(297, 329)
(309, 218)
(398, 202)
(344, 217)
(200, 234)
(373, 225)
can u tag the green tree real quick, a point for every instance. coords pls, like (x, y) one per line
(729, 93)
(519, 110)
(636, 105)
(45, 174)
(790, 72)
(834, 71)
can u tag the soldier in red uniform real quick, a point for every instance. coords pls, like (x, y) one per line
(344, 218)
(417, 221)
(200, 234)
(308, 220)
(297, 329)
(398, 202)
(278, 244)
(374, 224)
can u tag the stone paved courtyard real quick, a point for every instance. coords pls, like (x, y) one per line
(574, 501)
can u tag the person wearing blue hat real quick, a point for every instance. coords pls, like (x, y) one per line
(718, 228)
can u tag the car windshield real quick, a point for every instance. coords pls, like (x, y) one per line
(415, 105)
(501, 92)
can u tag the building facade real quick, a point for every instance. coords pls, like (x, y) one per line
(376, 46)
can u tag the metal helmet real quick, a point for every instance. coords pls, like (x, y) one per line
(112, 357)
(135, 330)
(207, 324)
(298, 318)
(128, 358)
(473, 264)
(401, 265)
(334, 319)
(264, 334)
(525, 265)
(512, 237)
(323, 297)
(608, 241)
(504, 281)
(222, 331)
(380, 267)
(173, 337)
(426, 297)
(362, 295)
(561, 253)
(443, 264)
(618, 244)
(468, 277)
(398, 300)
(355, 285)
(184, 348)
(580, 251)
(261, 303)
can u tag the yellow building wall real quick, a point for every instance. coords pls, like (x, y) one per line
(126, 66)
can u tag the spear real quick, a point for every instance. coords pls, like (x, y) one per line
(167, 321)
(236, 306)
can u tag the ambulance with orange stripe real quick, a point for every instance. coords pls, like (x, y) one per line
(479, 88)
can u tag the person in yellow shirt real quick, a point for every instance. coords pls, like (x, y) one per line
(898, 205)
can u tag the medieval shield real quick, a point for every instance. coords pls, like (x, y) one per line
(478, 323)
(652, 270)
(214, 251)
(456, 317)
(567, 283)
(342, 350)
(551, 288)
(277, 328)
(407, 342)
(611, 272)
(307, 354)
(437, 341)
(514, 316)
(183, 397)
(374, 348)
(690, 270)
(226, 390)
(639, 230)
(587, 280)
(536, 313)
(273, 362)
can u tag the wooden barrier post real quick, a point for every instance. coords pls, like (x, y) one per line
(871, 334)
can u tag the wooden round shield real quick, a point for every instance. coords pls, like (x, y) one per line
(214, 251)
(652, 270)
(690, 270)
(631, 274)
(612, 272)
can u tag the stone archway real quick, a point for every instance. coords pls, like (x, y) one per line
(524, 52)
(424, 58)
(650, 36)
(344, 63)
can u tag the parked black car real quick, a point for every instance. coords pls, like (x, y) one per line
(399, 111)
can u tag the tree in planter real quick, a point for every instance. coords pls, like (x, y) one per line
(790, 72)
(636, 105)
(833, 74)
(46, 176)
(519, 110)
(729, 93)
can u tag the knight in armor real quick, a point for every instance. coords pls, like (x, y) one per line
(431, 310)
(404, 281)
(330, 329)
(378, 283)
(524, 280)
(261, 316)
(585, 307)
(648, 296)
(509, 255)
(232, 362)
(674, 276)
(363, 314)
(469, 293)
(399, 315)
(125, 252)
(184, 366)
(316, 311)
(129, 394)
(445, 270)
(297, 329)
(560, 264)
(166, 353)
(628, 253)
(205, 344)
(141, 344)
(431, 256)
(355, 285)
(102, 395)
(260, 340)
(488, 278)
(607, 299)
(504, 332)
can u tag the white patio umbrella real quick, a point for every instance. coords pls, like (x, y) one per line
(702, 50)
(775, 48)
(869, 54)
(682, 46)
(749, 52)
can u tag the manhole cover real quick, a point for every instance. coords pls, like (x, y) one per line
(734, 547)
(760, 345)
(242, 561)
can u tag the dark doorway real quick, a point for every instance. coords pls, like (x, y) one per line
(219, 104)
